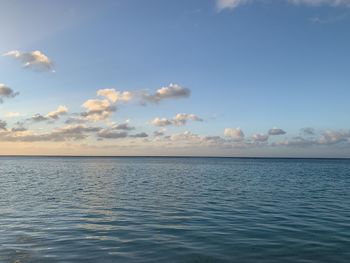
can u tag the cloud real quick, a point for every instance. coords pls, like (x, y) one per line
(109, 134)
(229, 4)
(308, 131)
(321, 2)
(276, 131)
(98, 109)
(179, 120)
(33, 60)
(158, 133)
(139, 135)
(115, 96)
(173, 91)
(61, 110)
(3, 125)
(334, 137)
(161, 122)
(327, 138)
(51, 116)
(66, 133)
(12, 114)
(6, 92)
(298, 141)
(234, 133)
(260, 137)
(38, 117)
(232, 4)
(123, 126)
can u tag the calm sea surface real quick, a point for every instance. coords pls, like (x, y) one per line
(174, 210)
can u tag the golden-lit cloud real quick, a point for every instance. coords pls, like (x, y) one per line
(33, 60)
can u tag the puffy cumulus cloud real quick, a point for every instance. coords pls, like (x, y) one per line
(234, 133)
(34, 60)
(115, 96)
(173, 91)
(276, 131)
(98, 109)
(161, 122)
(229, 4)
(51, 116)
(61, 110)
(260, 137)
(6, 92)
(179, 120)
(66, 133)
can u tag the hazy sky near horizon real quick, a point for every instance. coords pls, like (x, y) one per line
(184, 77)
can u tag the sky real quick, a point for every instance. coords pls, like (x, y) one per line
(250, 78)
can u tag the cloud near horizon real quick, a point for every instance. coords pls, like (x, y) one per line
(234, 133)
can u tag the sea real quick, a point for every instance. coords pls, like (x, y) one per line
(152, 209)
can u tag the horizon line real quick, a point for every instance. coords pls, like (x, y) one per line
(167, 156)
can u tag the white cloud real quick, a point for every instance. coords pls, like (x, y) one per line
(34, 60)
(53, 115)
(161, 122)
(115, 96)
(61, 110)
(229, 4)
(181, 118)
(234, 133)
(98, 109)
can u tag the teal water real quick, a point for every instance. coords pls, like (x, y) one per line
(174, 210)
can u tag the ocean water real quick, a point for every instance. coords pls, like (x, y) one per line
(174, 210)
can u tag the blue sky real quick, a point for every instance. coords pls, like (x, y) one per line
(248, 66)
